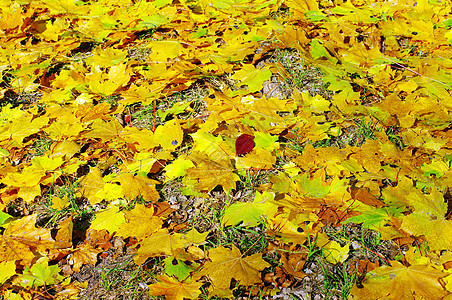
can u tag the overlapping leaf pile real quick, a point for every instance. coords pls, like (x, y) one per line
(389, 62)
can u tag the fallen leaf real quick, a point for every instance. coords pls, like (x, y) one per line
(225, 264)
(172, 289)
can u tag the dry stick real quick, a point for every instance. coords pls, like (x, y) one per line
(252, 245)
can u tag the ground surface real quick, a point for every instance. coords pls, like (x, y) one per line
(225, 150)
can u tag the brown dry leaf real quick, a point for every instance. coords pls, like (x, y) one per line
(172, 289)
(84, 254)
(363, 195)
(227, 264)
(293, 264)
(23, 241)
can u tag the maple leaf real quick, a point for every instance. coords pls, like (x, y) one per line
(294, 230)
(109, 219)
(65, 149)
(28, 182)
(335, 253)
(136, 186)
(86, 253)
(428, 218)
(39, 274)
(194, 237)
(251, 213)
(259, 159)
(225, 264)
(374, 218)
(252, 77)
(313, 188)
(18, 129)
(140, 222)
(159, 243)
(91, 185)
(7, 270)
(111, 131)
(83, 254)
(179, 268)
(22, 240)
(63, 238)
(400, 282)
(177, 168)
(173, 289)
(210, 173)
(213, 146)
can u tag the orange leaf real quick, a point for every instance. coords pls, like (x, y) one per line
(84, 254)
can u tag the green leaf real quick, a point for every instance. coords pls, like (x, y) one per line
(178, 268)
(175, 110)
(153, 21)
(161, 3)
(41, 274)
(250, 213)
(319, 51)
(7, 269)
(4, 217)
(315, 15)
(373, 218)
(313, 188)
(4, 153)
(265, 140)
(252, 77)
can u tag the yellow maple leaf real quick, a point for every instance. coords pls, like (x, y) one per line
(159, 243)
(109, 219)
(140, 222)
(60, 203)
(63, 238)
(170, 135)
(252, 77)
(135, 186)
(400, 282)
(7, 269)
(22, 239)
(210, 173)
(20, 128)
(335, 253)
(163, 50)
(91, 185)
(172, 289)
(226, 264)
